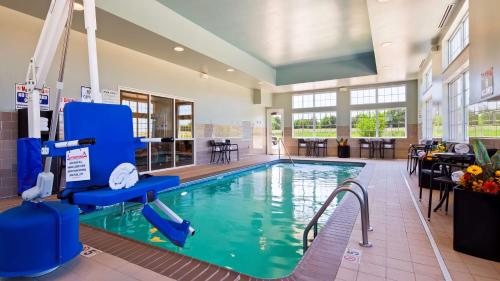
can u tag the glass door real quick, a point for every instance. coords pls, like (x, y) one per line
(162, 117)
(162, 126)
(274, 130)
(184, 142)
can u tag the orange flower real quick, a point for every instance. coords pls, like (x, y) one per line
(490, 187)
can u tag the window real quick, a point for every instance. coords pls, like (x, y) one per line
(381, 123)
(458, 96)
(392, 123)
(484, 119)
(379, 95)
(315, 125)
(325, 99)
(437, 121)
(314, 100)
(363, 123)
(363, 96)
(427, 79)
(392, 94)
(459, 39)
(427, 126)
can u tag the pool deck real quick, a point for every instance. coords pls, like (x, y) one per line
(401, 250)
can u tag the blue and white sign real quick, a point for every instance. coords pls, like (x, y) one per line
(22, 97)
(86, 94)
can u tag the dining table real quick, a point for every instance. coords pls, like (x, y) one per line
(447, 161)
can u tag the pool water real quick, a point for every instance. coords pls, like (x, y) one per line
(251, 222)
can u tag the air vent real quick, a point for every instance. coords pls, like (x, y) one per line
(446, 14)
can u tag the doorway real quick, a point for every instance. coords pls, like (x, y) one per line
(275, 130)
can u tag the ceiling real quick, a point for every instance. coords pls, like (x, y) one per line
(280, 45)
(282, 32)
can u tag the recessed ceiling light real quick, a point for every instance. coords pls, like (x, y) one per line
(77, 6)
(179, 49)
(382, 1)
(230, 70)
(386, 44)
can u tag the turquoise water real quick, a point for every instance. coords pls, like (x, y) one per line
(250, 222)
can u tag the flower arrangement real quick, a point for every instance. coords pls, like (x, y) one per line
(342, 141)
(485, 175)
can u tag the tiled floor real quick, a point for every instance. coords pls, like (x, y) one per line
(401, 251)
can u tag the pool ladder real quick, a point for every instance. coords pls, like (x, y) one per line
(365, 212)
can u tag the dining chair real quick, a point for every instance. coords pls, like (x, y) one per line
(365, 144)
(301, 144)
(388, 144)
(322, 145)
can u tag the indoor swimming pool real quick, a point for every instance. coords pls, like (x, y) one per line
(250, 221)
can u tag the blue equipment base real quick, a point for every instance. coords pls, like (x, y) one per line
(37, 237)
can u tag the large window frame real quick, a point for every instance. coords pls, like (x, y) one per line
(178, 139)
(458, 103)
(314, 124)
(373, 116)
(314, 100)
(378, 95)
(459, 39)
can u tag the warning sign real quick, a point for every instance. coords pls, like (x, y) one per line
(352, 255)
(89, 252)
(22, 97)
(77, 165)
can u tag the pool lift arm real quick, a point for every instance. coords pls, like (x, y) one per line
(57, 23)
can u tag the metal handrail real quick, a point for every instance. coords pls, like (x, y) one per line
(275, 142)
(329, 200)
(286, 151)
(365, 198)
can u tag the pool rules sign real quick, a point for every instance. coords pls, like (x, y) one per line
(77, 165)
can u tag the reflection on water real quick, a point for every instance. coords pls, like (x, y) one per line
(250, 222)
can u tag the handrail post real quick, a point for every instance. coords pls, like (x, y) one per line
(364, 222)
(365, 198)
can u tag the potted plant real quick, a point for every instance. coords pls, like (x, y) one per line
(343, 149)
(476, 216)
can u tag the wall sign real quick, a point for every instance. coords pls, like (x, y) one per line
(85, 94)
(111, 97)
(77, 165)
(487, 83)
(22, 97)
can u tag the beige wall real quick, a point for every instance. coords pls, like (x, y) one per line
(343, 108)
(217, 103)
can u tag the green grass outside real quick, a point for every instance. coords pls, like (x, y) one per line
(310, 133)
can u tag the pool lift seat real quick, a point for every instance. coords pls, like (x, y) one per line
(111, 126)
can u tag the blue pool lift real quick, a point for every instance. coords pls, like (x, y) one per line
(38, 236)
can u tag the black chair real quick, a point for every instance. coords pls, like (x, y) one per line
(230, 147)
(364, 144)
(301, 145)
(216, 151)
(322, 145)
(388, 144)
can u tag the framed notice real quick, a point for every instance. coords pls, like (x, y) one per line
(22, 97)
(487, 83)
(85, 94)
